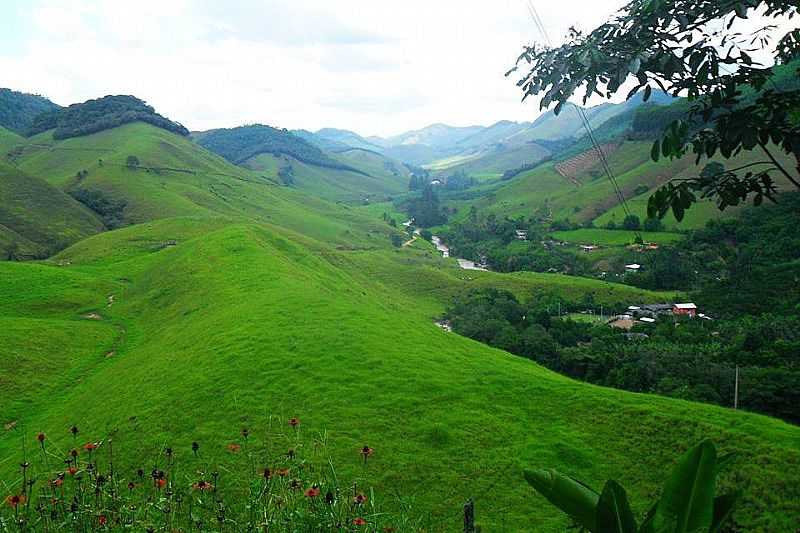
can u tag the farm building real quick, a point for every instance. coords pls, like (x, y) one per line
(687, 309)
(633, 267)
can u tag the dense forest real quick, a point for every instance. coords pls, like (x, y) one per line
(100, 114)
(683, 358)
(18, 110)
(237, 145)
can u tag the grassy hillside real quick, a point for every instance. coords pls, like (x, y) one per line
(36, 218)
(180, 178)
(331, 184)
(588, 195)
(241, 321)
(8, 139)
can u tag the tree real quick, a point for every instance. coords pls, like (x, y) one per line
(132, 161)
(397, 240)
(653, 224)
(631, 222)
(700, 50)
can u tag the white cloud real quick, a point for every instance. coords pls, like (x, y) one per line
(370, 65)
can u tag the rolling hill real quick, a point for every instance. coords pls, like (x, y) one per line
(226, 300)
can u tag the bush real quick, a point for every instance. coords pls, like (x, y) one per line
(632, 223)
(397, 240)
(653, 224)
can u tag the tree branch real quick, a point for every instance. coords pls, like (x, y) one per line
(779, 166)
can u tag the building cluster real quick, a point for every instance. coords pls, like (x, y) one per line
(649, 313)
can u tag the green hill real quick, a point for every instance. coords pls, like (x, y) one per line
(38, 219)
(101, 114)
(579, 190)
(7, 140)
(241, 321)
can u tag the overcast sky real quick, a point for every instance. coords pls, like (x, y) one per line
(373, 66)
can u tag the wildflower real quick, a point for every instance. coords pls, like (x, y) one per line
(267, 473)
(16, 500)
(202, 485)
(73, 430)
(233, 447)
(131, 485)
(72, 470)
(90, 446)
(73, 452)
(102, 520)
(294, 422)
(359, 499)
(359, 521)
(195, 448)
(245, 433)
(366, 452)
(282, 472)
(313, 492)
(57, 482)
(160, 483)
(157, 474)
(41, 438)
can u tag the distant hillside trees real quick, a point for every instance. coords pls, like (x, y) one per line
(101, 114)
(678, 47)
(110, 210)
(237, 145)
(508, 174)
(18, 110)
(132, 161)
(286, 174)
(425, 209)
(632, 222)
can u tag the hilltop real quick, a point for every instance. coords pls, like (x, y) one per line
(18, 110)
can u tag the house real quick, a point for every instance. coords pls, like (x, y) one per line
(633, 267)
(522, 234)
(687, 309)
(589, 247)
(648, 320)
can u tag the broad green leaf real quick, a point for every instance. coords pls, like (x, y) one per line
(687, 503)
(572, 497)
(614, 513)
(655, 151)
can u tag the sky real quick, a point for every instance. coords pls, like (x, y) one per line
(377, 67)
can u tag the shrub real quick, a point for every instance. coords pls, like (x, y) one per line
(631, 222)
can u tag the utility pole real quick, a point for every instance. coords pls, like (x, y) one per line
(736, 389)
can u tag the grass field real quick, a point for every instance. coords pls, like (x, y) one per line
(605, 237)
(236, 301)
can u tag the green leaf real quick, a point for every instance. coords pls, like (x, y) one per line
(614, 513)
(687, 503)
(647, 91)
(647, 524)
(571, 496)
(723, 508)
(655, 151)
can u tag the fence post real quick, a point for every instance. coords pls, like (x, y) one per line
(469, 516)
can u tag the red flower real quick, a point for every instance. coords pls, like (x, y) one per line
(313, 492)
(202, 485)
(57, 482)
(41, 437)
(72, 471)
(102, 520)
(16, 500)
(294, 422)
(233, 447)
(366, 451)
(359, 521)
(90, 446)
(160, 483)
(359, 499)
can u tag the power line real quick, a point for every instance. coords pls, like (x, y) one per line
(537, 21)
